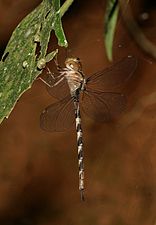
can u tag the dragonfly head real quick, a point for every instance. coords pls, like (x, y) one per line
(73, 64)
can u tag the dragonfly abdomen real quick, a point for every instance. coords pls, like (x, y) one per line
(79, 147)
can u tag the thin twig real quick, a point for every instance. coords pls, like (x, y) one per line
(65, 7)
(141, 40)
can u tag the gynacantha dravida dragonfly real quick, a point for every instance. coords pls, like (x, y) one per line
(99, 96)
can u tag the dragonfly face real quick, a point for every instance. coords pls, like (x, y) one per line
(73, 64)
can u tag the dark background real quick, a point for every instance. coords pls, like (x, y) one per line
(38, 170)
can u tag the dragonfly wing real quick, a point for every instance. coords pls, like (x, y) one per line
(59, 116)
(61, 89)
(113, 78)
(103, 106)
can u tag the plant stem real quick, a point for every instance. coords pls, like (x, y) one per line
(65, 7)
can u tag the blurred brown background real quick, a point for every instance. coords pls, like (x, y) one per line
(38, 170)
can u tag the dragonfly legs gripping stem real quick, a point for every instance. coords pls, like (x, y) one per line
(49, 85)
(49, 72)
(59, 68)
(61, 76)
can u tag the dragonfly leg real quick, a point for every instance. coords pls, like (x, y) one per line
(59, 81)
(49, 85)
(50, 73)
(59, 68)
(45, 82)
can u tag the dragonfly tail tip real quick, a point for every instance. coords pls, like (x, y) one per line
(82, 195)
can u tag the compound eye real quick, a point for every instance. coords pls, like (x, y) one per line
(71, 65)
(78, 59)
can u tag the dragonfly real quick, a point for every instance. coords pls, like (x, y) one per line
(99, 96)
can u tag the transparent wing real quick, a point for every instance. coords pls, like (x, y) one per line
(103, 106)
(112, 78)
(59, 116)
(59, 91)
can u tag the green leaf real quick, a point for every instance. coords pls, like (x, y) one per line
(58, 25)
(110, 21)
(26, 53)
